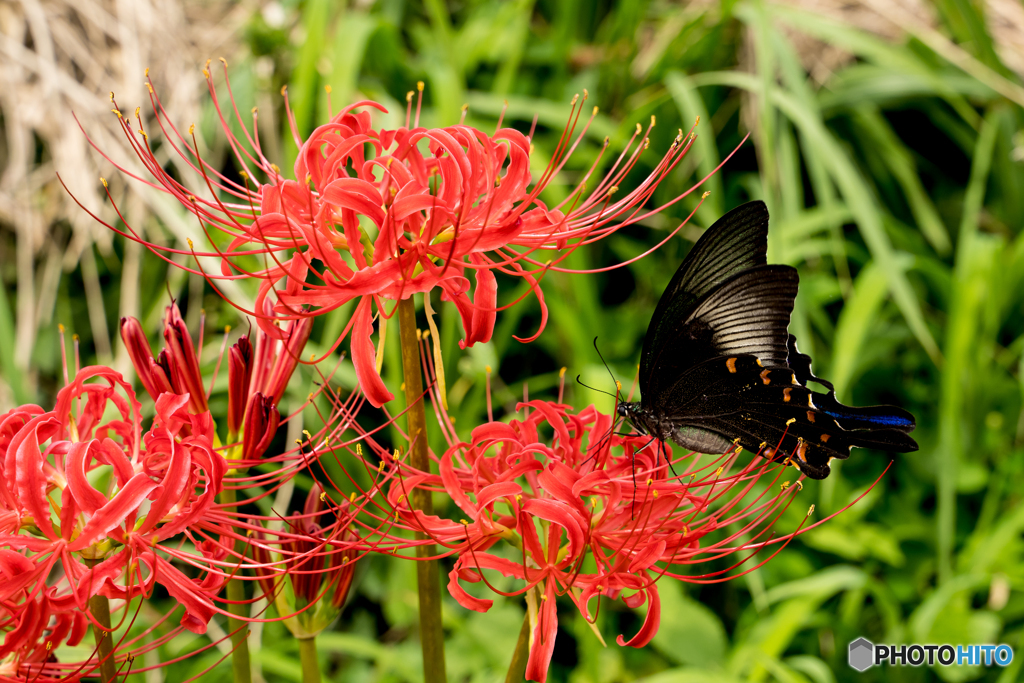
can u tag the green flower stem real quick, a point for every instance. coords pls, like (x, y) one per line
(517, 668)
(238, 627)
(99, 606)
(310, 664)
(428, 580)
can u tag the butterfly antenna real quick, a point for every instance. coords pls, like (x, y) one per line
(610, 373)
(602, 391)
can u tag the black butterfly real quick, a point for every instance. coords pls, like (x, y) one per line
(719, 365)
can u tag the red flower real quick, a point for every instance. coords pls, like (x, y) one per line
(108, 540)
(536, 507)
(377, 215)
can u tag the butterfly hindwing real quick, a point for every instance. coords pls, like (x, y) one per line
(884, 419)
(765, 408)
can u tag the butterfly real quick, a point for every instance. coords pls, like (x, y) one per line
(719, 366)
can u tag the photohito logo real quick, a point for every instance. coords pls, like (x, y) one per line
(864, 654)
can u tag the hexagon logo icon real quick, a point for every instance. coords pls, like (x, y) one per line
(862, 654)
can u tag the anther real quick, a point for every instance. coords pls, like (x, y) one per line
(420, 85)
(706, 194)
(810, 511)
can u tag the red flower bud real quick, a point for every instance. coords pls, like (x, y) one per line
(150, 373)
(239, 375)
(261, 421)
(183, 362)
(276, 360)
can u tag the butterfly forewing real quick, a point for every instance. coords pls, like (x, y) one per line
(736, 242)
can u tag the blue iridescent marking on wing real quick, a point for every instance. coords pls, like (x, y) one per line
(883, 420)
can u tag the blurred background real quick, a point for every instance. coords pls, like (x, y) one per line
(886, 138)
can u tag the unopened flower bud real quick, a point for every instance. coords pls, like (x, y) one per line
(239, 374)
(261, 421)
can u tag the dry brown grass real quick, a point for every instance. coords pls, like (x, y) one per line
(60, 59)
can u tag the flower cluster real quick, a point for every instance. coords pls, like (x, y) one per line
(310, 581)
(631, 506)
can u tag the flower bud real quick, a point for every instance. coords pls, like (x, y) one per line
(150, 373)
(261, 421)
(283, 357)
(239, 374)
(183, 362)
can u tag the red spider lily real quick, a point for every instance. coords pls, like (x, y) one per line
(375, 215)
(536, 508)
(310, 583)
(35, 630)
(88, 491)
(256, 380)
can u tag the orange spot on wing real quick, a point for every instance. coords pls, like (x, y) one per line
(764, 376)
(731, 364)
(810, 416)
(785, 394)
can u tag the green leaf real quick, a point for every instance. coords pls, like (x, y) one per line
(690, 633)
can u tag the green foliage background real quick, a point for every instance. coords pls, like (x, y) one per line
(895, 186)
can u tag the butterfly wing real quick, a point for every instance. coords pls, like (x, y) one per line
(747, 314)
(879, 418)
(768, 410)
(736, 242)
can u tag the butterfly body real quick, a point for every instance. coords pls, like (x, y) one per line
(719, 366)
